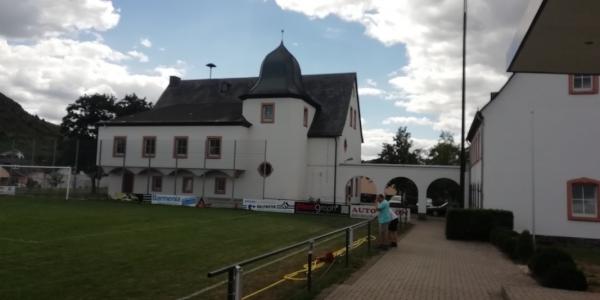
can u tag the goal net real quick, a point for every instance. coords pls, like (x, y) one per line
(47, 181)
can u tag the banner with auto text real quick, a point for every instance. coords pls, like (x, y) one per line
(177, 200)
(269, 205)
(369, 211)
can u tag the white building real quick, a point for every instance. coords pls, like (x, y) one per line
(281, 135)
(533, 152)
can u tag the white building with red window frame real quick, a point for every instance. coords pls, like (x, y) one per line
(533, 152)
(282, 135)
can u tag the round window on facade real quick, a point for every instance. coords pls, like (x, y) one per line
(265, 169)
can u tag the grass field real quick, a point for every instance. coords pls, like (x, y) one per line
(56, 249)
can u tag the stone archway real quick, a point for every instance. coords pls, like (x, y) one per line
(407, 189)
(444, 190)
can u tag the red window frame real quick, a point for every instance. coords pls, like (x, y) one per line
(183, 185)
(573, 91)
(214, 138)
(570, 214)
(175, 154)
(124, 138)
(305, 117)
(218, 182)
(262, 113)
(144, 139)
(157, 187)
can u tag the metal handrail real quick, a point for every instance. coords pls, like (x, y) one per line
(284, 249)
(234, 270)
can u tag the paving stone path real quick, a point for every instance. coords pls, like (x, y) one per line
(427, 266)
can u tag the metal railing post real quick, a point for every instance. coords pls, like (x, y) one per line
(347, 245)
(311, 245)
(369, 237)
(234, 283)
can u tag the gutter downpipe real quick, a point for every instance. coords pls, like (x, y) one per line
(335, 166)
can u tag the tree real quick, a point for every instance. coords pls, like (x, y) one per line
(83, 115)
(399, 152)
(79, 126)
(131, 104)
(445, 152)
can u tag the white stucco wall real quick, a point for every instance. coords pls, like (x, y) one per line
(565, 139)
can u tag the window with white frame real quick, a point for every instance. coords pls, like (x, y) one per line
(267, 113)
(149, 146)
(180, 147)
(119, 146)
(213, 147)
(583, 84)
(584, 201)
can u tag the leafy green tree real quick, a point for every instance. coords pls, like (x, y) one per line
(131, 104)
(445, 152)
(399, 152)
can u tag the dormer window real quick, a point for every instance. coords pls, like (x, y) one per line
(267, 113)
(582, 84)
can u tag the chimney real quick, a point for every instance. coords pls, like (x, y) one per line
(174, 80)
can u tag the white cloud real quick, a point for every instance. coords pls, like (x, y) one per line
(45, 67)
(145, 42)
(371, 82)
(49, 74)
(370, 91)
(25, 19)
(423, 121)
(431, 31)
(138, 55)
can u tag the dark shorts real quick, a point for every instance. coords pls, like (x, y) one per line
(393, 225)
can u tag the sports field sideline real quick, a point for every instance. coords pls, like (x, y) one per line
(57, 249)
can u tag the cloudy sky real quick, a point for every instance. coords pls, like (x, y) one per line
(407, 54)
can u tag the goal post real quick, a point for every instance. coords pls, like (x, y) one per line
(35, 180)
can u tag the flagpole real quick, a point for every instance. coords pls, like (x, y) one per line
(462, 133)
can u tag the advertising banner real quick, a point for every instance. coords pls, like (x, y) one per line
(270, 205)
(319, 208)
(177, 200)
(8, 190)
(369, 211)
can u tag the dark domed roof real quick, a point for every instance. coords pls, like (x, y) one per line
(280, 76)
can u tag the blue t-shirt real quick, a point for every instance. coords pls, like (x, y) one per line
(384, 215)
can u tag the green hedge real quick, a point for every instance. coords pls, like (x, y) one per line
(476, 224)
(547, 257)
(564, 276)
(524, 248)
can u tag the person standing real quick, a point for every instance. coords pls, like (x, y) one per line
(383, 218)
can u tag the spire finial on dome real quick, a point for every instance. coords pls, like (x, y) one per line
(282, 32)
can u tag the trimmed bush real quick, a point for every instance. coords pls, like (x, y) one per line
(565, 276)
(545, 258)
(476, 224)
(524, 248)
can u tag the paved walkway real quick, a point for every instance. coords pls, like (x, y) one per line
(427, 266)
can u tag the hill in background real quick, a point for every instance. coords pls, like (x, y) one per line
(26, 133)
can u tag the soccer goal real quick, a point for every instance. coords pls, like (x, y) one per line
(35, 180)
